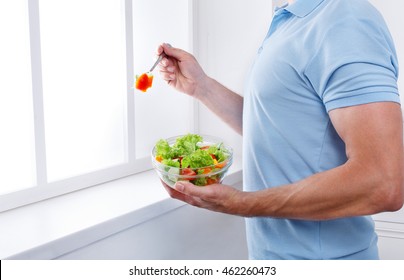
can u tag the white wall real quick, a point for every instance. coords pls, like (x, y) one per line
(228, 34)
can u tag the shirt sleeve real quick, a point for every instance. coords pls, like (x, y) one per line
(355, 64)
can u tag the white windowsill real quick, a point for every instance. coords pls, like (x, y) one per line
(54, 227)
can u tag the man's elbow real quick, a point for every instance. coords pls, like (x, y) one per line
(393, 193)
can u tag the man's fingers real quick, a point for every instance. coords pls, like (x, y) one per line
(195, 201)
(192, 190)
(170, 51)
(167, 76)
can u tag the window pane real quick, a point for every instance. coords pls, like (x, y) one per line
(161, 112)
(17, 158)
(84, 83)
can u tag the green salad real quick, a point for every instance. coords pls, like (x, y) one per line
(189, 157)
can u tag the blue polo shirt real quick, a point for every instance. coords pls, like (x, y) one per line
(318, 55)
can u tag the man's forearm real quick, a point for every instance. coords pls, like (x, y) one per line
(348, 190)
(225, 103)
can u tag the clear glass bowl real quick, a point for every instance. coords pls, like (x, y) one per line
(209, 174)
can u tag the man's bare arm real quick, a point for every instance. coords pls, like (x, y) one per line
(371, 181)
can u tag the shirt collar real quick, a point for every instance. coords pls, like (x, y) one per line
(302, 8)
(280, 4)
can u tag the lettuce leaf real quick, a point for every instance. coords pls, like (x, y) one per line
(219, 152)
(163, 149)
(200, 158)
(171, 162)
(186, 145)
(200, 181)
(186, 153)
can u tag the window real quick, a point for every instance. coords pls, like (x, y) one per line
(16, 110)
(69, 115)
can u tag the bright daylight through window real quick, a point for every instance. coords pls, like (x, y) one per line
(69, 115)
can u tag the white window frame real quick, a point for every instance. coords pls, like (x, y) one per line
(44, 189)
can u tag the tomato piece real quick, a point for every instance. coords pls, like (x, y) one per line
(188, 172)
(150, 81)
(144, 82)
(211, 181)
(159, 158)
